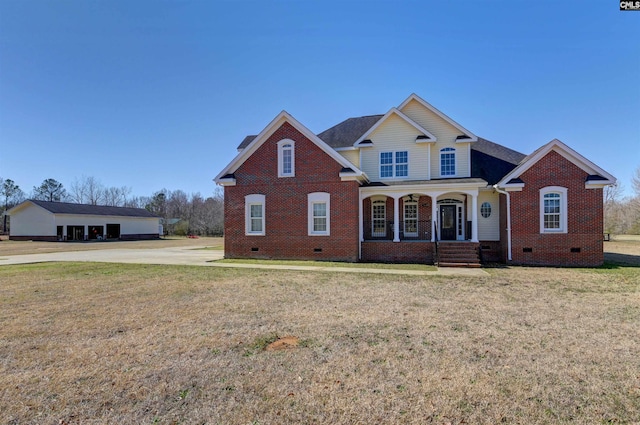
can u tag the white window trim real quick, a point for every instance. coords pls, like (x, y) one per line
(393, 165)
(378, 201)
(281, 144)
(249, 200)
(563, 208)
(455, 161)
(404, 217)
(318, 198)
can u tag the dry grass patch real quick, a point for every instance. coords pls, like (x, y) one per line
(100, 343)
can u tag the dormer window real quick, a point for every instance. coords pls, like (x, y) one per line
(286, 158)
(447, 162)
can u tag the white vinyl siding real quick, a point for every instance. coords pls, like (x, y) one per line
(489, 228)
(32, 220)
(352, 156)
(446, 137)
(395, 135)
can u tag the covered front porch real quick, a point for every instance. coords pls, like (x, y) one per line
(405, 222)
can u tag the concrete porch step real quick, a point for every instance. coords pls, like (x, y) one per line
(469, 265)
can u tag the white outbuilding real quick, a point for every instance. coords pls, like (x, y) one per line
(62, 221)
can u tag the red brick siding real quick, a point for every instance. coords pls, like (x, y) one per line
(491, 251)
(398, 252)
(584, 220)
(286, 232)
(424, 215)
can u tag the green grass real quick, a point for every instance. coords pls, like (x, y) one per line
(382, 266)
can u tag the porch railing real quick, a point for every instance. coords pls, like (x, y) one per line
(417, 230)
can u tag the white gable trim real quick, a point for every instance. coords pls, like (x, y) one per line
(278, 121)
(23, 205)
(408, 120)
(472, 137)
(570, 155)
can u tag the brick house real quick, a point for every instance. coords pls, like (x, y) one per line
(411, 185)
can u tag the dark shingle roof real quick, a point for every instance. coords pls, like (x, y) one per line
(348, 131)
(491, 161)
(68, 208)
(246, 141)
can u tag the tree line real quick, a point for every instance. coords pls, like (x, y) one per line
(181, 214)
(622, 213)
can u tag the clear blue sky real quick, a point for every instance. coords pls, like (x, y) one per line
(153, 94)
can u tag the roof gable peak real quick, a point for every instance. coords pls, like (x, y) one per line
(395, 111)
(261, 138)
(565, 151)
(468, 135)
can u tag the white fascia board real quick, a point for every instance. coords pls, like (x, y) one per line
(413, 96)
(280, 119)
(385, 117)
(359, 176)
(347, 148)
(562, 149)
(226, 182)
(23, 205)
(424, 188)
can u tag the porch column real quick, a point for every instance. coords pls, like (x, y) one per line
(396, 219)
(474, 218)
(360, 218)
(434, 217)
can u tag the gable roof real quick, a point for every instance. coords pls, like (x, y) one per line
(246, 141)
(348, 131)
(596, 174)
(84, 209)
(226, 175)
(396, 112)
(491, 161)
(466, 135)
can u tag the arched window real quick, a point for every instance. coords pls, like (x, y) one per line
(553, 209)
(286, 158)
(447, 162)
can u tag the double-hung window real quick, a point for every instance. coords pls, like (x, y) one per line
(394, 164)
(254, 215)
(411, 218)
(447, 162)
(379, 219)
(318, 213)
(286, 158)
(553, 210)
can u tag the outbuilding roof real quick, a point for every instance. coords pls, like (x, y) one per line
(83, 209)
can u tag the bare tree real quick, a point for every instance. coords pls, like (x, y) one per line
(116, 196)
